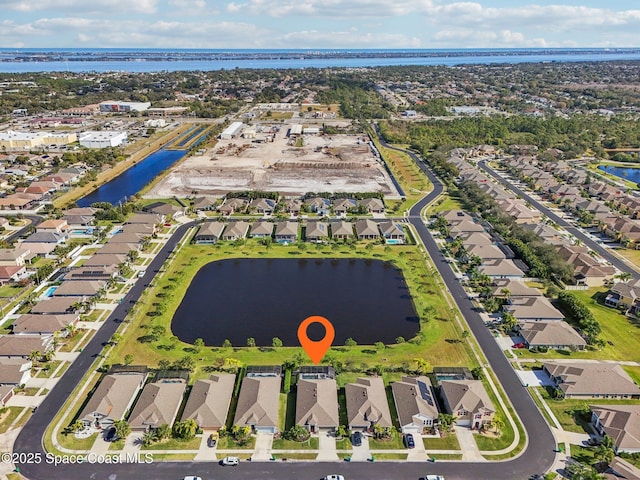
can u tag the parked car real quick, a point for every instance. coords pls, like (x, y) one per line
(432, 477)
(192, 477)
(111, 435)
(213, 440)
(408, 441)
(333, 477)
(230, 461)
(519, 345)
(356, 439)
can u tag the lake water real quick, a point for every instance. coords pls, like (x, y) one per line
(367, 300)
(631, 174)
(131, 181)
(155, 60)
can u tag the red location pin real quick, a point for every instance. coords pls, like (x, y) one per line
(316, 350)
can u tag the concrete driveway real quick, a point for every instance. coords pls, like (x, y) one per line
(534, 378)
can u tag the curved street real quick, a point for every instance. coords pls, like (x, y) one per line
(538, 456)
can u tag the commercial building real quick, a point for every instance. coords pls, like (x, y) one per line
(13, 140)
(102, 139)
(123, 107)
(232, 131)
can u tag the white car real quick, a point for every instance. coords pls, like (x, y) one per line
(333, 477)
(432, 477)
(230, 461)
(192, 477)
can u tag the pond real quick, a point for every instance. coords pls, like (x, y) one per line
(631, 174)
(367, 300)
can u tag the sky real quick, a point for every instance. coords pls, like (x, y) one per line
(319, 24)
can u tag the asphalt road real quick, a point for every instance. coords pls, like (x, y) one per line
(538, 456)
(35, 220)
(586, 239)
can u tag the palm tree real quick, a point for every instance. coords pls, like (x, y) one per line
(35, 355)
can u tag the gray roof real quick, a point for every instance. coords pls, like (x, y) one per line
(262, 228)
(9, 254)
(367, 227)
(113, 397)
(209, 400)
(236, 230)
(23, 345)
(317, 230)
(117, 248)
(42, 324)
(372, 204)
(485, 252)
(100, 272)
(105, 259)
(468, 395)
(591, 378)
(44, 237)
(551, 334)
(158, 404)
(367, 403)
(390, 228)
(500, 268)
(12, 370)
(286, 228)
(258, 402)
(515, 287)
(414, 398)
(465, 226)
(139, 228)
(79, 288)
(127, 237)
(55, 305)
(210, 229)
(341, 228)
(317, 403)
(148, 218)
(621, 423)
(533, 308)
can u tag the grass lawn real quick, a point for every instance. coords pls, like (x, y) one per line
(172, 457)
(390, 456)
(449, 201)
(394, 443)
(69, 344)
(46, 373)
(632, 255)
(297, 456)
(10, 290)
(450, 442)
(28, 391)
(93, 316)
(228, 443)
(7, 418)
(343, 444)
(72, 443)
(282, 444)
(430, 305)
(447, 456)
(175, 444)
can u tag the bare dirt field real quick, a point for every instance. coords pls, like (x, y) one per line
(331, 163)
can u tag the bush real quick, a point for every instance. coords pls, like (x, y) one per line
(286, 385)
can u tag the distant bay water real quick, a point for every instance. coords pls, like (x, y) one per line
(157, 60)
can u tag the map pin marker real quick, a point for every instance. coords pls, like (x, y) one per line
(316, 350)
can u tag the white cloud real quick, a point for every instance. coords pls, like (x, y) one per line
(192, 8)
(346, 39)
(104, 7)
(329, 8)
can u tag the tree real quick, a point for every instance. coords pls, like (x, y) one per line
(422, 365)
(446, 421)
(498, 423)
(350, 342)
(603, 454)
(379, 346)
(400, 340)
(164, 364)
(115, 339)
(251, 342)
(198, 343)
(297, 433)
(77, 426)
(163, 432)
(226, 343)
(342, 431)
(122, 428)
(35, 355)
(128, 359)
(276, 342)
(185, 430)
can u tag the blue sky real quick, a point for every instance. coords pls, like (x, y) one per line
(319, 24)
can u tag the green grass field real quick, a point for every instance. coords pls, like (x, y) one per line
(450, 442)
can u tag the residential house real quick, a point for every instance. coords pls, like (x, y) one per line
(112, 399)
(620, 469)
(100, 273)
(142, 229)
(235, 231)
(455, 216)
(12, 273)
(624, 295)
(416, 404)
(261, 229)
(262, 206)
(286, 232)
(317, 232)
(317, 404)
(470, 239)
(165, 210)
(158, 405)
(258, 403)
(35, 324)
(342, 206)
(129, 237)
(392, 232)
(500, 268)
(367, 404)
(118, 248)
(15, 256)
(148, 218)
(79, 288)
(15, 371)
(464, 226)
(203, 204)
(621, 423)
(341, 230)
(50, 237)
(209, 232)
(468, 402)
(6, 392)
(233, 205)
(292, 206)
(209, 401)
(56, 305)
(484, 252)
(56, 226)
(556, 335)
(591, 380)
(372, 205)
(510, 288)
(529, 309)
(367, 229)
(106, 259)
(23, 346)
(319, 205)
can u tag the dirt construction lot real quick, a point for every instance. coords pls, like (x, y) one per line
(333, 163)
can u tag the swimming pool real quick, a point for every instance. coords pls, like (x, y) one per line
(49, 291)
(394, 241)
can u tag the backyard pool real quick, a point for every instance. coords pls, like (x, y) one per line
(49, 291)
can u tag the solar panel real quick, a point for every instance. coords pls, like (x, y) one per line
(425, 393)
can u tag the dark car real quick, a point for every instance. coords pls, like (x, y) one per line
(408, 441)
(519, 345)
(356, 439)
(111, 435)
